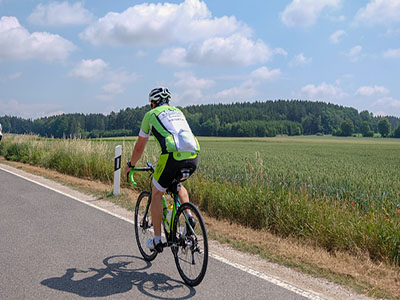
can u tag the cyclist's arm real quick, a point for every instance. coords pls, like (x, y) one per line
(144, 134)
(138, 149)
(137, 152)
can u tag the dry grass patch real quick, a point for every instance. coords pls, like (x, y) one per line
(360, 273)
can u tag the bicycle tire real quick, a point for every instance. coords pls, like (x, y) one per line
(190, 250)
(143, 225)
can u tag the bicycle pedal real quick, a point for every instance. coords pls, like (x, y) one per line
(153, 247)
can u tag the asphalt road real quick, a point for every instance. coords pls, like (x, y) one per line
(53, 247)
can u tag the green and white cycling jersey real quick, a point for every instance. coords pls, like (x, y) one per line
(170, 128)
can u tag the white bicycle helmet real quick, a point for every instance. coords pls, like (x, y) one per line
(159, 96)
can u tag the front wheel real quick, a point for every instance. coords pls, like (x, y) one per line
(144, 225)
(190, 244)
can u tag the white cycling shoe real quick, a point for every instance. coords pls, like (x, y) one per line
(151, 244)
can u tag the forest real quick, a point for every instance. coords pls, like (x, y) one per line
(247, 119)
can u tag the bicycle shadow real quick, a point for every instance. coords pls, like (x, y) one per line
(120, 274)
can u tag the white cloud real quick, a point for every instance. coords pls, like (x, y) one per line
(389, 101)
(236, 49)
(60, 13)
(203, 39)
(387, 106)
(263, 73)
(191, 88)
(17, 43)
(391, 32)
(176, 57)
(321, 91)
(16, 108)
(13, 76)
(379, 12)
(300, 59)
(121, 76)
(338, 19)
(233, 50)
(188, 97)
(336, 36)
(110, 90)
(354, 53)
(280, 51)
(305, 13)
(237, 94)
(371, 90)
(249, 89)
(113, 80)
(116, 82)
(392, 53)
(141, 53)
(89, 69)
(161, 24)
(187, 80)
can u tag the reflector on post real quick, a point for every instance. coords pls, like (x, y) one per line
(117, 169)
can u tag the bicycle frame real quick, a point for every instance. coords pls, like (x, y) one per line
(176, 204)
(190, 249)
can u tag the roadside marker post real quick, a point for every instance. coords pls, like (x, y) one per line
(117, 169)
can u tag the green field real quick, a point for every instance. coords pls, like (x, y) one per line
(338, 193)
(363, 171)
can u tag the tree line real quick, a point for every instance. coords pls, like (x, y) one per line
(247, 119)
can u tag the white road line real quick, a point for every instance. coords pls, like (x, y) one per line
(68, 195)
(270, 279)
(287, 286)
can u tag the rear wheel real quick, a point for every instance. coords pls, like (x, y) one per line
(191, 250)
(144, 225)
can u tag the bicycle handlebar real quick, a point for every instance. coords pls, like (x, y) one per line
(149, 168)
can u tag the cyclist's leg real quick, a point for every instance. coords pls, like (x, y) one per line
(156, 203)
(166, 171)
(183, 195)
(157, 193)
(192, 164)
(156, 210)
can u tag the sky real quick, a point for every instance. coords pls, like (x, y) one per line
(98, 56)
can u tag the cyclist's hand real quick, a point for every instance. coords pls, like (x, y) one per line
(127, 169)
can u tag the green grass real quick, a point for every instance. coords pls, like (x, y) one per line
(365, 171)
(339, 193)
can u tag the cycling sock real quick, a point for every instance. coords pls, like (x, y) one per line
(157, 239)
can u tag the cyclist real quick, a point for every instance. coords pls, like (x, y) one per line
(179, 149)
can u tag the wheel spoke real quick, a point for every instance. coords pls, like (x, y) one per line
(143, 225)
(192, 255)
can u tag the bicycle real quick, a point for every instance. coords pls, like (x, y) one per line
(188, 241)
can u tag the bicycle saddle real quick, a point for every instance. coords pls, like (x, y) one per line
(184, 174)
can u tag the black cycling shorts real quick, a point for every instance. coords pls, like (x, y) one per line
(168, 168)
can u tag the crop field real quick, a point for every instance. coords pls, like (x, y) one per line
(337, 193)
(365, 172)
